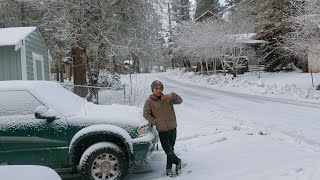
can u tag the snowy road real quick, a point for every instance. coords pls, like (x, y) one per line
(225, 135)
(297, 119)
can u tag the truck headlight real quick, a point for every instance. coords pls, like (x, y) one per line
(143, 131)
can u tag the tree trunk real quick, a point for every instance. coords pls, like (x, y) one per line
(207, 66)
(112, 65)
(135, 63)
(79, 70)
(215, 66)
(70, 72)
(223, 67)
(23, 14)
(172, 63)
(234, 71)
(57, 72)
(61, 72)
(234, 68)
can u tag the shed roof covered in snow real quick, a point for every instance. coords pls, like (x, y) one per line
(12, 36)
(241, 38)
(256, 42)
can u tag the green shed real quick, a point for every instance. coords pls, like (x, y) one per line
(23, 54)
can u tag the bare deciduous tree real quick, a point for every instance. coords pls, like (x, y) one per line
(214, 40)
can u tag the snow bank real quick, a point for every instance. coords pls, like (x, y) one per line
(26, 172)
(292, 85)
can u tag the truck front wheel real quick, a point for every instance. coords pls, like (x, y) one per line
(104, 161)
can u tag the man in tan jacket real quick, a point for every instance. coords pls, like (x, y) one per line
(159, 111)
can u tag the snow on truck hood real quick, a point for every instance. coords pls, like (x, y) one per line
(118, 114)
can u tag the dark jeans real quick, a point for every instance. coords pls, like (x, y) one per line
(168, 139)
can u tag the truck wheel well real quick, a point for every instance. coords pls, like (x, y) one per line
(86, 142)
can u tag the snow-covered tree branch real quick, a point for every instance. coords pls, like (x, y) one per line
(306, 26)
(214, 40)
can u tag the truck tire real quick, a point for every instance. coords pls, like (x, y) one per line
(104, 161)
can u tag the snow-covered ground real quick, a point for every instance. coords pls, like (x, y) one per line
(26, 172)
(289, 85)
(227, 135)
(244, 128)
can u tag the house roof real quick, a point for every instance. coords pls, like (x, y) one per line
(206, 15)
(253, 41)
(12, 36)
(248, 38)
(241, 38)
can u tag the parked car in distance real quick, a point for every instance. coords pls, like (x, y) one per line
(41, 123)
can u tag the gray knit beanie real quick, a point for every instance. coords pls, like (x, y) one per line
(156, 83)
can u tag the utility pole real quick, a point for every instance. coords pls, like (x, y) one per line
(61, 65)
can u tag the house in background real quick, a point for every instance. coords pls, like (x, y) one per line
(208, 15)
(23, 54)
(235, 59)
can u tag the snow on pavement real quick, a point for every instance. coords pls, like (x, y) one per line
(224, 136)
(291, 85)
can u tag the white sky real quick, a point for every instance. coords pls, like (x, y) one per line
(193, 6)
(221, 1)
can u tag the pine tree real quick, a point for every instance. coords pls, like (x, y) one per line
(180, 10)
(204, 5)
(269, 14)
(16, 13)
(270, 19)
(273, 14)
(184, 10)
(272, 26)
